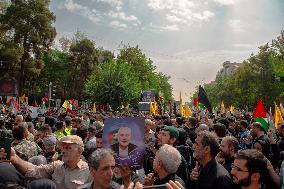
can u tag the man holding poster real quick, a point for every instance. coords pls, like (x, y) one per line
(125, 136)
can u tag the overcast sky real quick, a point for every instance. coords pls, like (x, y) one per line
(187, 39)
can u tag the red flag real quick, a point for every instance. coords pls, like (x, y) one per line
(34, 103)
(73, 103)
(17, 106)
(68, 110)
(43, 100)
(9, 102)
(195, 101)
(259, 110)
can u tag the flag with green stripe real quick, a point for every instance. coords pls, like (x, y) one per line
(259, 115)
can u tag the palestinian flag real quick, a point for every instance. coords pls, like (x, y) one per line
(203, 99)
(259, 115)
(195, 102)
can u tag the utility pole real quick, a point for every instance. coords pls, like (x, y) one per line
(49, 93)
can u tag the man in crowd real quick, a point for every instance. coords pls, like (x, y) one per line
(23, 147)
(68, 127)
(99, 139)
(101, 165)
(212, 174)
(258, 133)
(166, 163)
(244, 134)
(49, 147)
(249, 170)
(189, 127)
(169, 135)
(71, 172)
(228, 149)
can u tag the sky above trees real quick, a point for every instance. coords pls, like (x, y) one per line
(187, 39)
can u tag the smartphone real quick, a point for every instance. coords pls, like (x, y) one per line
(162, 186)
(6, 144)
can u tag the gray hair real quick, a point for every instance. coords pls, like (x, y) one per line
(202, 127)
(124, 128)
(97, 156)
(38, 160)
(170, 157)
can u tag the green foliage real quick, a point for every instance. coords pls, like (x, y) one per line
(55, 71)
(113, 82)
(253, 80)
(27, 25)
(145, 71)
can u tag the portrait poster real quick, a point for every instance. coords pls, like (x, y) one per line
(125, 137)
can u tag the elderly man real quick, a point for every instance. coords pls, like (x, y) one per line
(70, 173)
(19, 119)
(101, 165)
(166, 163)
(123, 148)
(169, 135)
(212, 174)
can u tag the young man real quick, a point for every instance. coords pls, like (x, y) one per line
(249, 170)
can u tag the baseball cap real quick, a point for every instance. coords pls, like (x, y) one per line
(172, 130)
(71, 139)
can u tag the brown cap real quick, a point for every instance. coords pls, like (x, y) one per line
(71, 139)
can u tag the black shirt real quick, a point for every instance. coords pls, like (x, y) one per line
(166, 179)
(213, 176)
(228, 164)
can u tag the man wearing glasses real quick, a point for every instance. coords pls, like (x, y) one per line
(249, 170)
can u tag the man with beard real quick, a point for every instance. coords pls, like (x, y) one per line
(166, 163)
(124, 147)
(228, 149)
(258, 132)
(169, 135)
(71, 172)
(249, 170)
(211, 175)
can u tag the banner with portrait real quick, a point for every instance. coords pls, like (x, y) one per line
(125, 137)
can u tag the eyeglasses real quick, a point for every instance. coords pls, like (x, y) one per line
(238, 169)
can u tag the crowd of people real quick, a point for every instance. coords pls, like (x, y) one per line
(212, 152)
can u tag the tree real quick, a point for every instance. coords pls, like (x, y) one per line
(56, 71)
(145, 71)
(82, 63)
(27, 24)
(112, 83)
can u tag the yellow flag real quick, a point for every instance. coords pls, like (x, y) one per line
(94, 108)
(232, 109)
(23, 98)
(152, 111)
(181, 110)
(65, 104)
(277, 116)
(223, 109)
(187, 111)
(155, 105)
